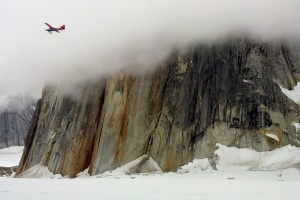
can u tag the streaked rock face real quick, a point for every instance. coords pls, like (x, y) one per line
(226, 93)
(14, 125)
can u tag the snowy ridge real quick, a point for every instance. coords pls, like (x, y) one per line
(227, 160)
(282, 158)
(232, 156)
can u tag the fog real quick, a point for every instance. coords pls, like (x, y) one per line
(103, 36)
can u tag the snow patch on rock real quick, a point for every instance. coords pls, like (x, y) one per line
(297, 125)
(292, 94)
(275, 137)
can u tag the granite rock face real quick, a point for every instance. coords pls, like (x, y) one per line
(225, 93)
(14, 125)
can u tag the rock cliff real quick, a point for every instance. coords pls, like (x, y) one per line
(224, 93)
(14, 124)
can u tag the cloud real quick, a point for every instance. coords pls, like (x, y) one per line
(103, 36)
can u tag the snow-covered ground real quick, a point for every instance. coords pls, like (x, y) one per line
(241, 174)
(169, 187)
(10, 156)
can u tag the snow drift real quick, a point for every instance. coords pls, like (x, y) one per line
(227, 159)
(38, 171)
(143, 164)
(282, 158)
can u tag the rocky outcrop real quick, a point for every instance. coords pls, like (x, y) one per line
(7, 171)
(143, 164)
(14, 124)
(224, 93)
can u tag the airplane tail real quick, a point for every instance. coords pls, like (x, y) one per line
(63, 27)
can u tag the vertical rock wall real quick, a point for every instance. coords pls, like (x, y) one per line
(226, 93)
(14, 125)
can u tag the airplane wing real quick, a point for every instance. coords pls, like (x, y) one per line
(49, 25)
(57, 31)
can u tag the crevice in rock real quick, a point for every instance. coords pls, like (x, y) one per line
(290, 65)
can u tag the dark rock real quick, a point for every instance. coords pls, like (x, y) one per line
(14, 124)
(7, 171)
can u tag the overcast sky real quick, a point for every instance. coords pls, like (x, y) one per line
(102, 36)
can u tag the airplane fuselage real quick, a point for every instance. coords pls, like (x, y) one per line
(51, 29)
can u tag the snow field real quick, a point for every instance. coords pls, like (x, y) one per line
(241, 174)
(10, 156)
(175, 188)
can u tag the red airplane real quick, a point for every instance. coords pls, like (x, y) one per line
(51, 29)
